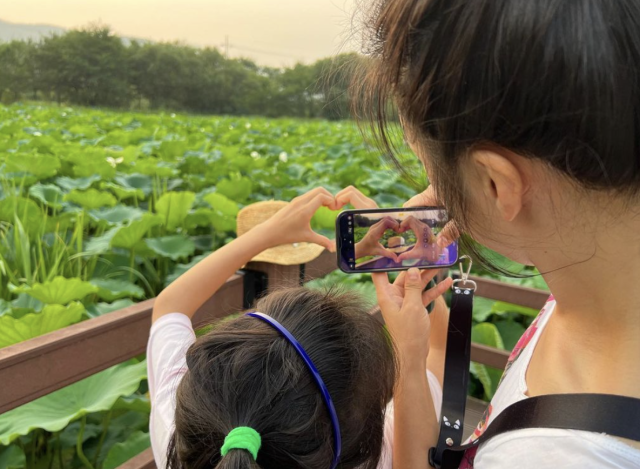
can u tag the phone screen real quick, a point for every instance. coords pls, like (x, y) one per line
(392, 239)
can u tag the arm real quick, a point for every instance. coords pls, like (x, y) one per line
(403, 307)
(291, 224)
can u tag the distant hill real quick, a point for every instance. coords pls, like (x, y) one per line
(23, 32)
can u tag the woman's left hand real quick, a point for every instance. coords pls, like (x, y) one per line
(292, 223)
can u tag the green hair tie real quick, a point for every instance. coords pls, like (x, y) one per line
(242, 438)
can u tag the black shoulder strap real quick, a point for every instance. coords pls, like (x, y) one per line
(601, 413)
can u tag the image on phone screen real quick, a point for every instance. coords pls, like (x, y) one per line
(394, 240)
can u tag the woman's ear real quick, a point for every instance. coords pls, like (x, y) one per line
(501, 181)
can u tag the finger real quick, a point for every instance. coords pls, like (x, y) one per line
(433, 293)
(400, 279)
(413, 289)
(318, 201)
(424, 199)
(323, 241)
(307, 196)
(389, 254)
(448, 234)
(426, 274)
(353, 196)
(405, 255)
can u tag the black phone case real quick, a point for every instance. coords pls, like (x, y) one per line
(340, 239)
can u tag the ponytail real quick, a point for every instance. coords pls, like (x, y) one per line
(237, 459)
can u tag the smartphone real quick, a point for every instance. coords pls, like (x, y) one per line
(389, 239)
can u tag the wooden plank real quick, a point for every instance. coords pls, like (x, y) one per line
(500, 291)
(479, 353)
(472, 415)
(489, 355)
(38, 366)
(142, 461)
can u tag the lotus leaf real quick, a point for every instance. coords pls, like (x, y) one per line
(91, 199)
(55, 411)
(58, 291)
(130, 235)
(136, 181)
(99, 309)
(12, 457)
(48, 194)
(122, 452)
(41, 166)
(236, 189)
(222, 204)
(51, 318)
(70, 184)
(102, 243)
(174, 247)
(117, 215)
(111, 289)
(174, 208)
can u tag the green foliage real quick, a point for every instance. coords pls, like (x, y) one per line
(174, 208)
(91, 199)
(174, 247)
(122, 452)
(12, 457)
(19, 327)
(60, 290)
(111, 289)
(94, 67)
(54, 411)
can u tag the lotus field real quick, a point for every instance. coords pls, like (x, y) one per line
(100, 209)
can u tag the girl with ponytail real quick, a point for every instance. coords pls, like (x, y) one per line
(301, 381)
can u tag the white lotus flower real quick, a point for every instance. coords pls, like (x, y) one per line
(247, 125)
(255, 155)
(114, 161)
(283, 157)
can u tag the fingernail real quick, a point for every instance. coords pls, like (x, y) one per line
(413, 273)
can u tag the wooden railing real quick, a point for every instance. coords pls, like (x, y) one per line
(39, 366)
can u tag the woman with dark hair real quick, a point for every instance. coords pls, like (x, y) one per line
(303, 381)
(526, 116)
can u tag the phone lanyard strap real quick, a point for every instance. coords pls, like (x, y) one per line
(456, 370)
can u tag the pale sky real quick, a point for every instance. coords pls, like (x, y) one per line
(278, 32)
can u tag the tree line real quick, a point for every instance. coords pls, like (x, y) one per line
(94, 67)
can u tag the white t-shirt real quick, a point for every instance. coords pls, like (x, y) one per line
(170, 337)
(541, 447)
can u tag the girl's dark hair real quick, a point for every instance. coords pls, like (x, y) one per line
(554, 80)
(244, 373)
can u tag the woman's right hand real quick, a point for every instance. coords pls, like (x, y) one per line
(402, 304)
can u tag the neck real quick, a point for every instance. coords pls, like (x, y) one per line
(594, 275)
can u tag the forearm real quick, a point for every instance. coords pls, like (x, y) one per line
(198, 284)
(415, 422)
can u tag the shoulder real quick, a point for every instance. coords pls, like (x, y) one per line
(169, 338)
(544, 447)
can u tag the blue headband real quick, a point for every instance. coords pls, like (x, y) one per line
(337, 441)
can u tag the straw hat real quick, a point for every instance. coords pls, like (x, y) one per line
(285, 254)
(396, 244)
